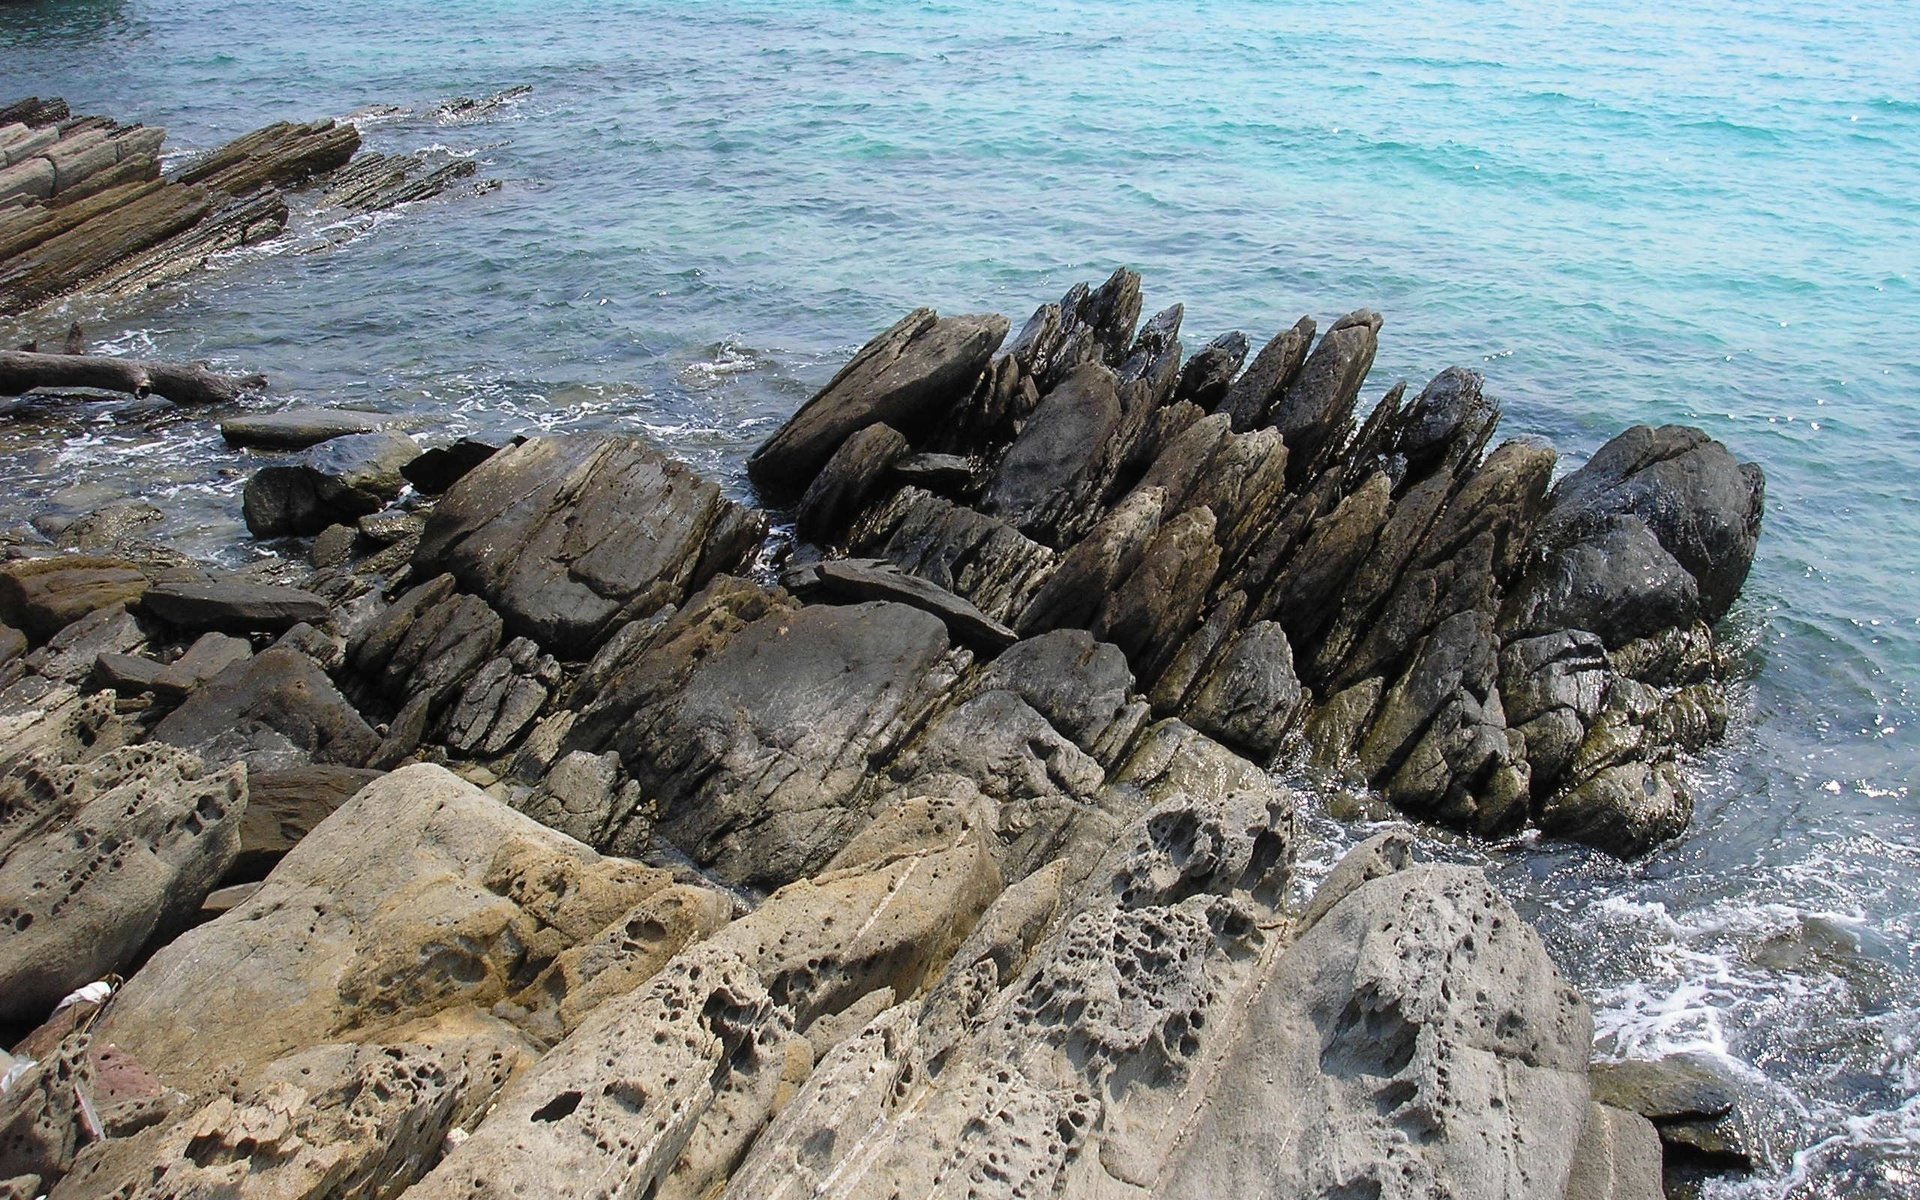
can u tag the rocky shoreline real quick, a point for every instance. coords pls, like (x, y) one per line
(86, 212)
(555, 832)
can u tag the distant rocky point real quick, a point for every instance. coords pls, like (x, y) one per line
(85, 208)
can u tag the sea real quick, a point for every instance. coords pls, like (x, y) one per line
(1697, 211)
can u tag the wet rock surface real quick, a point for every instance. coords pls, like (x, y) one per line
(534, 841)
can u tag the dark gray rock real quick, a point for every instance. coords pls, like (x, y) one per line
(210, 654)
(1704, 507)
(127, 674)
(501, 700)
(1095, 326)
(847, 482)
(1151, 610)
(275, 710)
(299, 428)
(75, 651)
(1249, 403)
(909, 377)
(1250, 698)
(232, 606)
(333, 546)
(1617, 582)
(1080, 584)
(570, 537)
(427, 645)
(862, 579)
(986, 561)
(1209, 373)
(1446, 425)
(1316, 411)
(947, 474)
(1053, 468)
(1082, 687)
(440, 468)
(337, 481)
(754, 726)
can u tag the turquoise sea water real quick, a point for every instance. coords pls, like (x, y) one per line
(1639, 211)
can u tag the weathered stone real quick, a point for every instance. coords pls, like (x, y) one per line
(664, 1089)
(570, 537)
(909, 377)
(275, 710)
(96, 859)
(419, 898)
(1415, 1041)
(339, 1121)
(42, 596)
(232, 606)
(1618, 1158)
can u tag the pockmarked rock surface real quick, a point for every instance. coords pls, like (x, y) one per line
(420, 897)
(99, 857)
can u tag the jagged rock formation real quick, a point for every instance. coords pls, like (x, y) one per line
(1488, 648)
(598, 865)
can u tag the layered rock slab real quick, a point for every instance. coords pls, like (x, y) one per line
(569, 537)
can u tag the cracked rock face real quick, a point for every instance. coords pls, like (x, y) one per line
(568, 537)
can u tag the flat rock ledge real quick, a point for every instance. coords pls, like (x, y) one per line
(535, 842)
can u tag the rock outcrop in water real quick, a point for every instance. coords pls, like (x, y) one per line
(578, 858)
(84, 206)
(1486, 647)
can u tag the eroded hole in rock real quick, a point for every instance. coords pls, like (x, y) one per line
(559, 1108)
